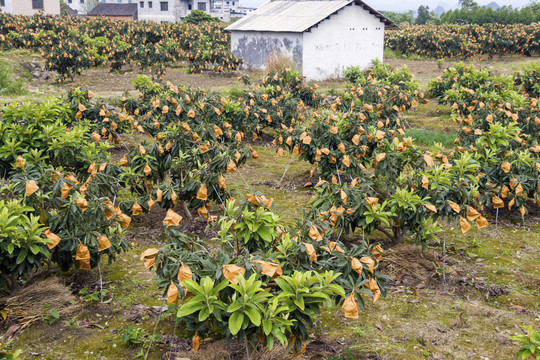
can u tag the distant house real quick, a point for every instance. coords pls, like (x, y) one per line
(322, 37)
(165, 10)
(177, 10)
(30, 7)
(80, 6)
(115, 11)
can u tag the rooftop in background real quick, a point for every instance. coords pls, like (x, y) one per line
(296, 16)
(103, 9)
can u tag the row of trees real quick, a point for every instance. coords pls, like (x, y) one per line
(469, 13)
(486, 15)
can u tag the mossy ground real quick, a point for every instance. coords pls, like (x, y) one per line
(428, 318)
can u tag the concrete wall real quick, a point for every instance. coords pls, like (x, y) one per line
(255, 46)
(351, 37)
(24, 7)
(8, 7)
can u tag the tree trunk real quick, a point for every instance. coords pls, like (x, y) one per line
(186, 210)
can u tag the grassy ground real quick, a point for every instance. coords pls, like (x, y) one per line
(461, 299)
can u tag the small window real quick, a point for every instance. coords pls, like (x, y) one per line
(2, 2)
(189, 6)
(164, 6)
(82, 1)
(149, 4)
(201, 6)
(141, 4)
(37, 4)
(69, 1)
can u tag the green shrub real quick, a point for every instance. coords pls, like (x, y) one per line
(530, 343)
(198, 16)
(23, 246)
(354, 74)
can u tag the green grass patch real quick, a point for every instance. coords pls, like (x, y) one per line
(398, 55)
(431, 137)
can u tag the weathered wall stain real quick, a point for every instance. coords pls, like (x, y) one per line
(255, 47)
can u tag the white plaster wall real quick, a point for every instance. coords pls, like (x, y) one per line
(255, 46)
(8, 8)
(155, 13)
(351, 37)
(24, 7)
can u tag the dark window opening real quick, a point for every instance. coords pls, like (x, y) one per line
(37, 4)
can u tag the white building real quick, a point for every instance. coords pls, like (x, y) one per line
(322, 37)
(30, 7)
(227, 9)
(165, 10)
(79, 5)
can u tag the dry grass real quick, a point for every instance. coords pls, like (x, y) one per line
(411, 260)
(279, 63)
(27, 306)
(219, 350)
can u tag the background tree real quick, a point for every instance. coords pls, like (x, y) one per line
(198, 16)
(400, 18)
(468, 4)
(424, 15)
(89, 5)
